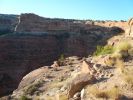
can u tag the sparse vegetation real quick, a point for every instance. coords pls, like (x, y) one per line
(24, 98)
(130, 51)
(113, 93)
(122, 49)
(128, 75)
(57, 97)
(61, 59)
(123, 46)
(102, 50)
(120, 65)
(117, 55)
(32, 88)
(61, 97)
(110, 61)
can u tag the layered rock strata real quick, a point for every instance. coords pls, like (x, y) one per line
(29, 41)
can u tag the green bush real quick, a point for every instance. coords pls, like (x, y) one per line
(61, 59)
(102, 50)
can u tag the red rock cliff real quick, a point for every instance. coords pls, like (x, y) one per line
(38, 41)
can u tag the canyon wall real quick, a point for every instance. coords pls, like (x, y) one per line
(33, 41)
(7, 23)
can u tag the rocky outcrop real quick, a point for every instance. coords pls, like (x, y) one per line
(86, 67)
(79, 82)
(21, 54)
(7, 23)
(130, 28)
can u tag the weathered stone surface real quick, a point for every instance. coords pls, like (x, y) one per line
(7, 23)
(21, 54)
(55, 64)
(32, 76)
(129, 31)
(86, 67)
(78, 83)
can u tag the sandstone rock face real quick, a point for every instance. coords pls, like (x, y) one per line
(35, 41)
(86, 67)
(21, 54)
(120, 24)
(34, 23)
(79, 83)
(7, 23)
(130, 28)
(32, 76)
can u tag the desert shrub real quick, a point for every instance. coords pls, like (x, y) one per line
(102, 50)
(57, 97)
(114, 92)
(123, 49)
(33, 87)
(130, 51)
(128, 75)
(117, 55)
(120, 65)
(123, 46)
(24, 98)
(110, 61)
(61, 59)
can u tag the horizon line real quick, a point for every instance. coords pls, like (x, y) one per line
(82, 19)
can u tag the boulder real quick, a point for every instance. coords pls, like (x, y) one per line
(86, 67)
(55, 64)
(77, 96)
(78, 83)
(32, 76)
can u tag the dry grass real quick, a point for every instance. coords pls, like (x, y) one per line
(32, 88)
(50, 98)
(123, 46)
(117, 55)
(112, 93)
(57, 97)
(120, 65)
(56, 84)
(130, 52)
(110, 62)
(61, 97)
(61, 83)
(121, 50)
(128, 75)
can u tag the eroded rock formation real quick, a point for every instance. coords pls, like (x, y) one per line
(33, 41)
(130, 29)
(7, 23)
